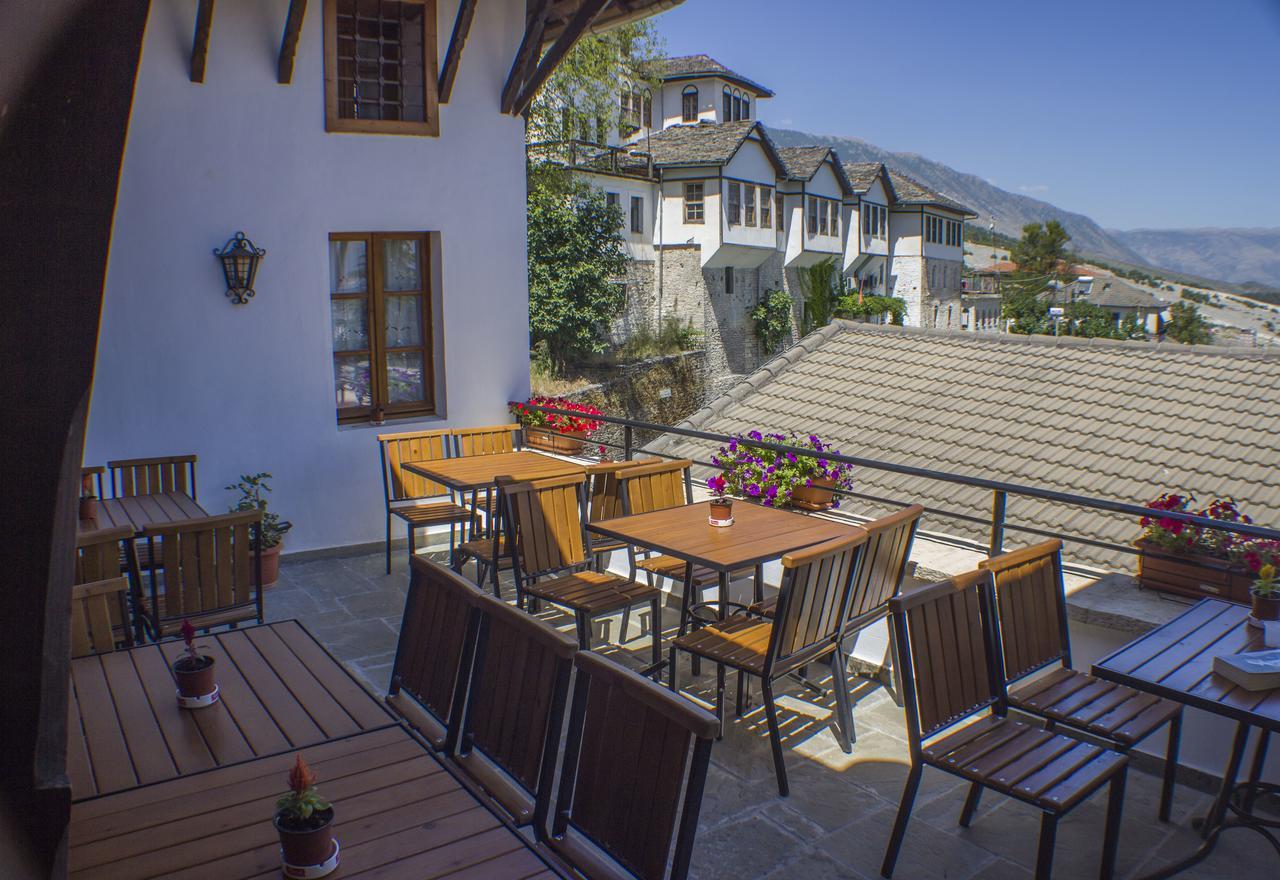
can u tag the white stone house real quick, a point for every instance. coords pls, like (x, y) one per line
(390, 200)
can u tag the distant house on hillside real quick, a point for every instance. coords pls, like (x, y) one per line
(1121, 299)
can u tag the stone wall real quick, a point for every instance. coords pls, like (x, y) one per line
(664, 390)
(930, 303)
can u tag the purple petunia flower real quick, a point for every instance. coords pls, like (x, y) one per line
(733, 445)
(754, 435)
(753, 489)
(772, 492)
(716, 484)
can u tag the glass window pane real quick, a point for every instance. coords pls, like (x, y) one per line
(404, 377)
(347, 267)
(404, 321)
(352, 381)
(400, 269)
(350, 324)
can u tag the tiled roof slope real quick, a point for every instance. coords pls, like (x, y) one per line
(693, 66)
(802, 163)
(909, 191)
(862, 174)
(704, 143)
(1114, 420)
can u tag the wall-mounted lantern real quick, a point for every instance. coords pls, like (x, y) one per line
(240, 264)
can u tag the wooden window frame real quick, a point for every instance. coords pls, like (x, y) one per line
(727, 109)
(779, 208)
(430, 124)
(689, 91)
(377, 319)
(733, 203)
(700, 203)
(766, 207)
(637, 214)
(749, 204)
(811, 212)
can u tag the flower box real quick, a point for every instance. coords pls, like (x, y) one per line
(1192, 575)
(818, 496)
(569, 443)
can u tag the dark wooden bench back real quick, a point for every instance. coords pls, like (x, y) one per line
(92, 604)
(485, 441)
(151, 476)
(811, 603)
(949, 667)
(884, 563)
(210, 569)
(437, 638)
(511, 731)
(545, 517)
(632, 748)
(656, 486)
(397, 449)
(1032, 607)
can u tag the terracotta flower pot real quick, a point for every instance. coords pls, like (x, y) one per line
(1265, 607)
(819, 496)
(1191, 575)
(308, 844)
(549, 441)
(721, 508)
(195, 675)
(271, 565)
(88, 507)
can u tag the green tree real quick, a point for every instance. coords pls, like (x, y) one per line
(1084, 318)
(1132, 328)
(821, 286)
(1042, 249)
(576, 254)
(1021, 304)
(1187, 326)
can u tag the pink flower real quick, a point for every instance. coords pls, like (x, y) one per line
(716, 484)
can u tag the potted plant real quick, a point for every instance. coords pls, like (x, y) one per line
(88, 498)
(1177, 557)
(553, 432)
(778, 479)
(304, 821)
(721, 509)
(271, 533)
(1261, 558)
(195, 673)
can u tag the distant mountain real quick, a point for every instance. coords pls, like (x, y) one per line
(1009, 211)
(1238, 255)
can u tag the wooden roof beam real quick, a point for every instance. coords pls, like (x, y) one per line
(587, 11)
(289, 42)
(200, 44)
(527, 54)
(453, 57)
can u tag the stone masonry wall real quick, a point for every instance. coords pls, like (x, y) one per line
(664, 390)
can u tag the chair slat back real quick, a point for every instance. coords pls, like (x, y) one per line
(98, 554)
(1032, 606)
(207, 566)
(91, 480)
(514, 717)
(400, 449)
(949, 668)
(604, 493)
(811, 603)
(632, 747)
(92, 631)
(437, 635)
(151, 476)
(485, 441)
(884, 563)
(656, 486)
(546, 518)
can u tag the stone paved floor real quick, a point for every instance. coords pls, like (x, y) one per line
(837, 819)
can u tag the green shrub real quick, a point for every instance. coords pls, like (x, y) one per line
(772, 318)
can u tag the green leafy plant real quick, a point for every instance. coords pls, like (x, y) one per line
(252, 488)
(821, 286)
(673, 336)
(769, 476)
(1264, 583)
(299, 805)
(772, 319)
(1187, 326)
(871, 306)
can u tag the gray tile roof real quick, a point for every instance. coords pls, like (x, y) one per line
(699, 66)
(862, 174)
(909, 191)
(801, 163)
(1116, 292)
(703, 143)
(1116, 420)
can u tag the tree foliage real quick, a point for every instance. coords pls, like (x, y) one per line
(1042, 250)
(772, 319)
(821, 286)
(870, 306)
(576, 254)
(582, 94)
(1186, 325)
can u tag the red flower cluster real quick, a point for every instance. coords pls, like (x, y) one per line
(578, 424)
(1181, 537)
(301, 777)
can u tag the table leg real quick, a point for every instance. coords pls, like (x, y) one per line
(1255, 772)
(723, 597)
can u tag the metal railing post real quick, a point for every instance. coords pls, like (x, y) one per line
(626, 443)
(998, 500)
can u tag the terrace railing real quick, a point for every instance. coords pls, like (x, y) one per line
(631, 434)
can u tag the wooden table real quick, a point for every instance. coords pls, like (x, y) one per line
(140, 511)
(473, 473)
(398, 814)
(279, 690)
(759, 534)
(1176, 661)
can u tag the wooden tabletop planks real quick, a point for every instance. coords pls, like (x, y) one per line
(139, 511)
(473, 472)
(279, 690)
(759, 534)
(399, 814)
(1176, 661)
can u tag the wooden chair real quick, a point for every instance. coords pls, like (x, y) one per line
(1032, 608)
(518, 688)
(91, 477)
(206, 570)
(635, 768)
(490, 440)
(419, 502)
(805, 629)
(486, 441)
(548, 553)
(433, 654)
(99, 556)
(151, 476)
(951, 673)
(95, 607)
(604, 501)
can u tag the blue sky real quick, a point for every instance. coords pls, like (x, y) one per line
(1135, 112)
